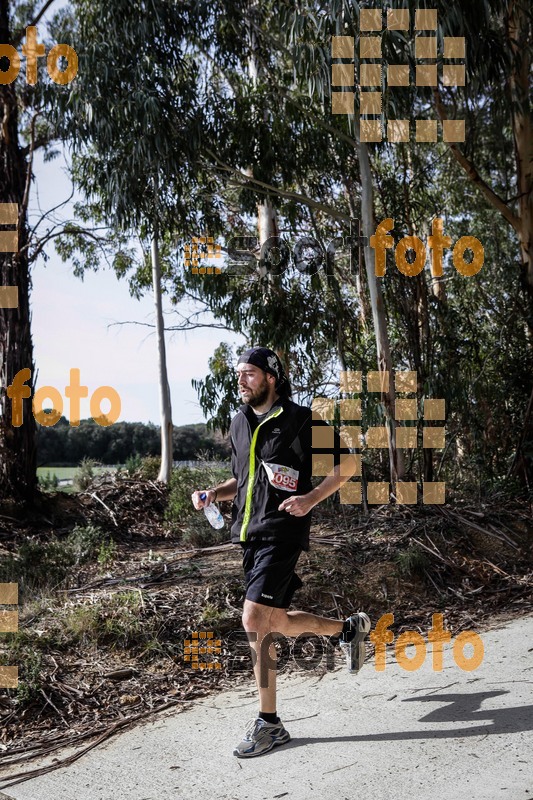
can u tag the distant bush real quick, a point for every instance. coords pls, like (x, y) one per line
(133, 464)
(114, 444)
(85, 474)
(183, 482)
(149, 467)
(48, 482)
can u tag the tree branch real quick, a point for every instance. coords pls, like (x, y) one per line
(495, 200)
(25, 198)
(100, 240)
(19, 34)
(332, 212)
(185, 327)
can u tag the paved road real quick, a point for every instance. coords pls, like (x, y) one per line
(388, 735)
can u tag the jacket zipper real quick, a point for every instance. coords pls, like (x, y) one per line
(251, 477)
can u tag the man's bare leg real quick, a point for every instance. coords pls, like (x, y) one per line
(292, 623)
(261, 623)
(256, 619)
(263, 620)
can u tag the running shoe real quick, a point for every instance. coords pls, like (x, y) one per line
(353, 644)
(260, 737)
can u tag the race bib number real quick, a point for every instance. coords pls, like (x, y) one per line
(282, 477)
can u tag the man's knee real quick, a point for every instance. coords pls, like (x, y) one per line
(255, 616)
(279, 620)
(258, 617)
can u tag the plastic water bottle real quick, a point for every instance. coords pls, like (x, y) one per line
(212, 513)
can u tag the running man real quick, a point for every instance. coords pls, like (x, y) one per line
(273, 498)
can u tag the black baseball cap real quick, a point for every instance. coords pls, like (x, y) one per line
(265, 359)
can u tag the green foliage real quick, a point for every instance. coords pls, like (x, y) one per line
(48, 482)
(217, 390)
(212, 615)
(150, 467)
(86, 542)
(30, 684)
(40, 566)
(183, 482)
(412, 561)
(194, 527)
(133, 463)
(117, 621)
(85, 474)
(107, 553)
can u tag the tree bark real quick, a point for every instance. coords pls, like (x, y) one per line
(519, 30)
(164, 388)
(18, 476)
(378, 308)
(267, 218)
(418, 320)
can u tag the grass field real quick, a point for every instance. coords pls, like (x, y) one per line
(66, 472)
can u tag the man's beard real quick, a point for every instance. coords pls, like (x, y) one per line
(257, 397)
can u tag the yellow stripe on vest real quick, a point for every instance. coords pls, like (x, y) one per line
(251, 477)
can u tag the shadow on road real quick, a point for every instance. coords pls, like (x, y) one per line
(458, 708)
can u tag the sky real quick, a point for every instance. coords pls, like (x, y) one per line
(71, 322)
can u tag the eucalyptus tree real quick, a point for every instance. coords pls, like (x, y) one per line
(500, 47)
(134, 118)
(498, 58)
(26, 102)
(299, 167)
(17, 447)
(308, 35)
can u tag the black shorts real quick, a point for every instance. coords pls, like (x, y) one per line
(269, 572)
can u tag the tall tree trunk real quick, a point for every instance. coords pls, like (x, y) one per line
(360, 285)
(267, 223)
(164, 388)
(519, 33)
(522, 466)
(378, 308)
(418, 319)
(267, 218)
(18, 477)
